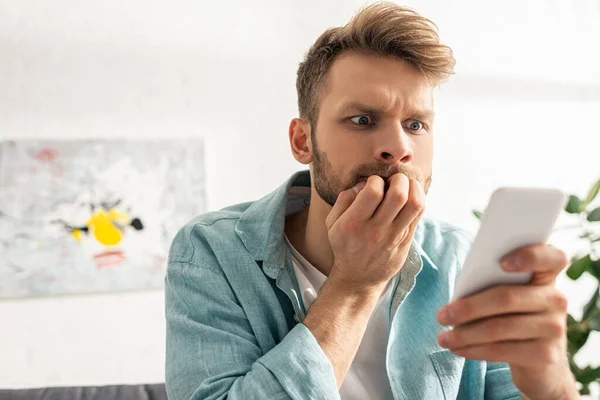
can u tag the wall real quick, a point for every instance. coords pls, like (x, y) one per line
(523, 109)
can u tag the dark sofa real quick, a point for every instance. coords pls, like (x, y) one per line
(126, 392)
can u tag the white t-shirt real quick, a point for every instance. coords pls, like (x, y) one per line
(367, 377)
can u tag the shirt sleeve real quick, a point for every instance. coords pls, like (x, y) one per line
(212, 353)
(499, 384)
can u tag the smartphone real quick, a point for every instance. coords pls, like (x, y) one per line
(514, 217)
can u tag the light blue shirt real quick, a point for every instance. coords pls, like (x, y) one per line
(234, 314)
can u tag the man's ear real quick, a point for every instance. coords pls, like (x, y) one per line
(300, 143)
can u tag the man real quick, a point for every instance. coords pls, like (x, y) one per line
(334, 286)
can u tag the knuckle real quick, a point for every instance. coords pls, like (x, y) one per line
(561, 303)
(398, 194)
(557, 327)
(417, 203)
(376, 235)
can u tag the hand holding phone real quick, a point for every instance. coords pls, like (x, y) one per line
(515, 217)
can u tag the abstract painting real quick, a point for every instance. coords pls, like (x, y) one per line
(93, 215)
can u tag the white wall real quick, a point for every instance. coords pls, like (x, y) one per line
(523, 109)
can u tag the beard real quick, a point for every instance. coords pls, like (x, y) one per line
(330, 183)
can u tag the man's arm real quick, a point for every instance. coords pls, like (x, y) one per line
(212, 352)
(338, 320)
(523, 326)
(370, 232)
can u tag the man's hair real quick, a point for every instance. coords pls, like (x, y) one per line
(381, 29)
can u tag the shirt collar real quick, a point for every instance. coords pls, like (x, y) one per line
(261, 226)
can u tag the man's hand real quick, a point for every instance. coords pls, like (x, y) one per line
(524, 326)
(370, 232)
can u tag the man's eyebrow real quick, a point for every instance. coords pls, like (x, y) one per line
(425, 114)
(357, 107)
(360, 108)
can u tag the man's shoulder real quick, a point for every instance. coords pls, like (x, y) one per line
(195, 239)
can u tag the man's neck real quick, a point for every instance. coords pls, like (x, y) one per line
(307, 232)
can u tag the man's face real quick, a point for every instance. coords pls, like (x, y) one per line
(375, 118)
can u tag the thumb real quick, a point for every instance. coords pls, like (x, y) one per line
(343, 202)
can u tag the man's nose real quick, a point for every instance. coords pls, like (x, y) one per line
(395, 147)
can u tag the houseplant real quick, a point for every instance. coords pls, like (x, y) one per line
(579, 330)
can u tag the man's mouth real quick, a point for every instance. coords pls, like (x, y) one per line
(364, 178)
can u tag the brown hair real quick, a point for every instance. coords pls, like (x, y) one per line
(381, 29)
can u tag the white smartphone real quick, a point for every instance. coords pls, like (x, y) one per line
(514, 217)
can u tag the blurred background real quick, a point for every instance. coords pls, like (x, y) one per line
(522, 109)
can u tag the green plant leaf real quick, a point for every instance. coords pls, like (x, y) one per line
(594, 269)
(576, 335)
(591, 195)
(588, 375)
(477, 214)
(578, 267)
(592, 305)
(576, 341)
(594, 215)
(573, 205)
(585, 390)
(594, 320)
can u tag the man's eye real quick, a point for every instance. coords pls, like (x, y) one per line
(415, 126)
(361, 120)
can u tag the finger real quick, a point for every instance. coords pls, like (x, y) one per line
(343, 202)
(522, 353)
(368, 199)
(414, 206)
(535, 258)
(394, 199)
(500, 300)
(504, 328)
